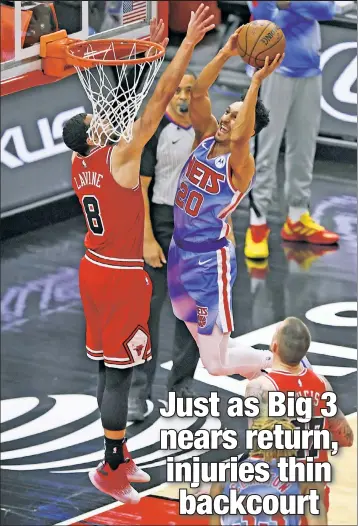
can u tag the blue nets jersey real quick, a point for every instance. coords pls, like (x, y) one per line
(273, 487)
(205, 196)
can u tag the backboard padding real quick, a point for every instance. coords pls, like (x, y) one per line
(24, 70)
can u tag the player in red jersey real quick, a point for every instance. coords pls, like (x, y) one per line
(289, 346)
(115, 289)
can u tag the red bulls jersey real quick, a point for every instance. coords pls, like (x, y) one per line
(114, 215)
(309, 385)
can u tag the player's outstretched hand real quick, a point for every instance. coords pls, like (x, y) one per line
(200, 23)
(231, 46)
(156, 35)
(268, 68)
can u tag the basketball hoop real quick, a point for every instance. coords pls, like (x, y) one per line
(115, 104)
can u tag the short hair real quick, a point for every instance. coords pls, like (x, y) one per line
(293, 341)
(191, 73)
(74, 134)
(262, 115)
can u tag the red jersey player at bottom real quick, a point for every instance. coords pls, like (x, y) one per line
(289, 346)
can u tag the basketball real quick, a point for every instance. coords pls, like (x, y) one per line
(260, 39)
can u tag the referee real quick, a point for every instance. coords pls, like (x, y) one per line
(162, 160)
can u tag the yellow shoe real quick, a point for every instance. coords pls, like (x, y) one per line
(256, 242)
(307, 230)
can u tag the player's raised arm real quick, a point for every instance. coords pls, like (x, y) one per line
(202, 119)
(338, 425)
(200, 23)
(244, 128)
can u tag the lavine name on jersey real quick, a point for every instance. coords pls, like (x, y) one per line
(88, 178)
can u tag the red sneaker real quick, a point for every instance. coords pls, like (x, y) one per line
(306, 229)
(133, 472)
(114, 483)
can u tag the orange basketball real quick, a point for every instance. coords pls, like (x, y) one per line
(260, 39)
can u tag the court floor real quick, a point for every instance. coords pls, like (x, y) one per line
(50, 427)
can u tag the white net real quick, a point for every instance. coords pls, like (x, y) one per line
(116, 92)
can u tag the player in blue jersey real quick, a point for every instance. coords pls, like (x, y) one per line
(216, 177)
(273, 487)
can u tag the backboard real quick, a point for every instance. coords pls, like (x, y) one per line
(21, 68)
(34, 160)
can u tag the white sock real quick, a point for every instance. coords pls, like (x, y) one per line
(220, 359)
(256, 220)
(248, 362)
(295, 212)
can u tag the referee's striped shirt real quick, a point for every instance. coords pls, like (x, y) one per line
(164, 157)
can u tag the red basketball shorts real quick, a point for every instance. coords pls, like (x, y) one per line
(116, 298)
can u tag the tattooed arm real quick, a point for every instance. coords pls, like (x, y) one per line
(338, 425)
(259, 388)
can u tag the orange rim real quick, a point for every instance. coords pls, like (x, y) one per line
(104, 52)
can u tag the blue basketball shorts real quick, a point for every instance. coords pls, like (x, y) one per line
(200, 286)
